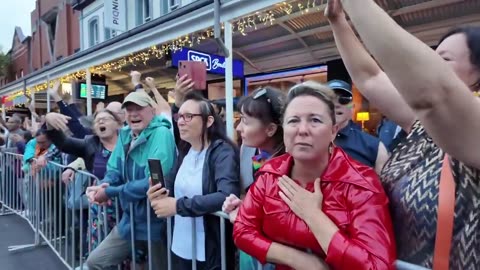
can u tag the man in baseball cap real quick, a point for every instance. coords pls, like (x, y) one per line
(140, 98)
(360, 145)
(140, 110)
(147, 136)
(341, 86)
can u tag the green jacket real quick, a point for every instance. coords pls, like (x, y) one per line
(128, 175)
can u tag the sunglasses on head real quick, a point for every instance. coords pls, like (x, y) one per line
(260, 94)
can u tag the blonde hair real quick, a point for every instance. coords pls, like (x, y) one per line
(313, 89)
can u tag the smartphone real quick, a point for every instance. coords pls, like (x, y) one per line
(196, 71)
(156, 172)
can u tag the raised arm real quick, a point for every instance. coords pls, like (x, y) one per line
(439, 98)
(369, 78)
(68, 145)
(162, 105)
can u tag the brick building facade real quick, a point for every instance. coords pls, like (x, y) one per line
(19, 56)
(55, 35)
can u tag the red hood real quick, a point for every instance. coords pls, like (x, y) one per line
(341, 168)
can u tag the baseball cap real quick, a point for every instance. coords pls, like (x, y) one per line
(336, 85)
(140, 98)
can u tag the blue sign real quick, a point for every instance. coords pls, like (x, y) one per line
(215, 63)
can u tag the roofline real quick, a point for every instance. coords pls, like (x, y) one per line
(135, 31)
(173, 25)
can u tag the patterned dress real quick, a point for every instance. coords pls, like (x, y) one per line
(411, 179)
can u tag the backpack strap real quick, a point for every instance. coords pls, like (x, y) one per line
(445, 217)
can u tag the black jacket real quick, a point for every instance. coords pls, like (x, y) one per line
(220, 179)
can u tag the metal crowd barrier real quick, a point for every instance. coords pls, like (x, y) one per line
(41, 199)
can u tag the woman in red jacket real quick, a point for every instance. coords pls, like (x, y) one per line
(335, 211)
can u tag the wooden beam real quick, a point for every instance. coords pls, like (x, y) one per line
(327, 28)
(422, 6)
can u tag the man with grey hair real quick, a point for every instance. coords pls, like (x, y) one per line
(13, 126)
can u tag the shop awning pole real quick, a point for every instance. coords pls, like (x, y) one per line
(88, 79)
(217, 29)
(32, 101)
(48, 97)
(229, 80)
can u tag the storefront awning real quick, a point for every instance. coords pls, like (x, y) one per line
(301, 36)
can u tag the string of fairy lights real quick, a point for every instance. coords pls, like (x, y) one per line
(240, 26)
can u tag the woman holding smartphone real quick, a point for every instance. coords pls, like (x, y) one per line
(205, 174)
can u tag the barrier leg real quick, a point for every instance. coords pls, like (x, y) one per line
(169, 242)
(37, 240)
(222, 244)
(194, 244)
(149, 244)
(132, 234)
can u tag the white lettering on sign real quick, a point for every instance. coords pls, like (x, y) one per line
(200, 57)
(217, 64)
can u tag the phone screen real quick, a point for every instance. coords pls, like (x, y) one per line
(156, 172)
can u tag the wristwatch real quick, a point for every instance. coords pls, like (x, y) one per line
(138, 86)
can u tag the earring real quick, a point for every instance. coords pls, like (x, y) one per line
(330, 148)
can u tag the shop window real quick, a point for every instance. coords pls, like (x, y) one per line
(93, 33)
(109, 33)
(144, 11)
(34, 27)
(173, 4)
(50, 19)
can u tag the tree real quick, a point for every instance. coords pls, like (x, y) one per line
(4, 63)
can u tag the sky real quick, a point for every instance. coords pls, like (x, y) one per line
(15, 14)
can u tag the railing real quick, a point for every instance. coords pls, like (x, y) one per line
(65, 221)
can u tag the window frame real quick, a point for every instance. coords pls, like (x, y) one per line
(142, 7)
(93, 32)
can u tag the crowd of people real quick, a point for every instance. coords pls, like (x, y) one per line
(307, 188)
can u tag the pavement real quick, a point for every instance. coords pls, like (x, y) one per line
(15, 231)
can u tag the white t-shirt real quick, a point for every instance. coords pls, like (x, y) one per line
(188, 183)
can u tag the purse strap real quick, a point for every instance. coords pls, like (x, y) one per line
(445, 217)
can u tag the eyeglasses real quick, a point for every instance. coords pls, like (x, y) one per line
(187, 117)
(103, 119)
(344, 100)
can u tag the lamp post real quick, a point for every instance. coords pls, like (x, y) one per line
(362, 117)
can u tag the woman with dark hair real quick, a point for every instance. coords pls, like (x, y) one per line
(315, 205)
(433, 174)
(205, 174)
(262, 134)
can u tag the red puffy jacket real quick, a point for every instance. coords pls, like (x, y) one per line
(353, 198)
